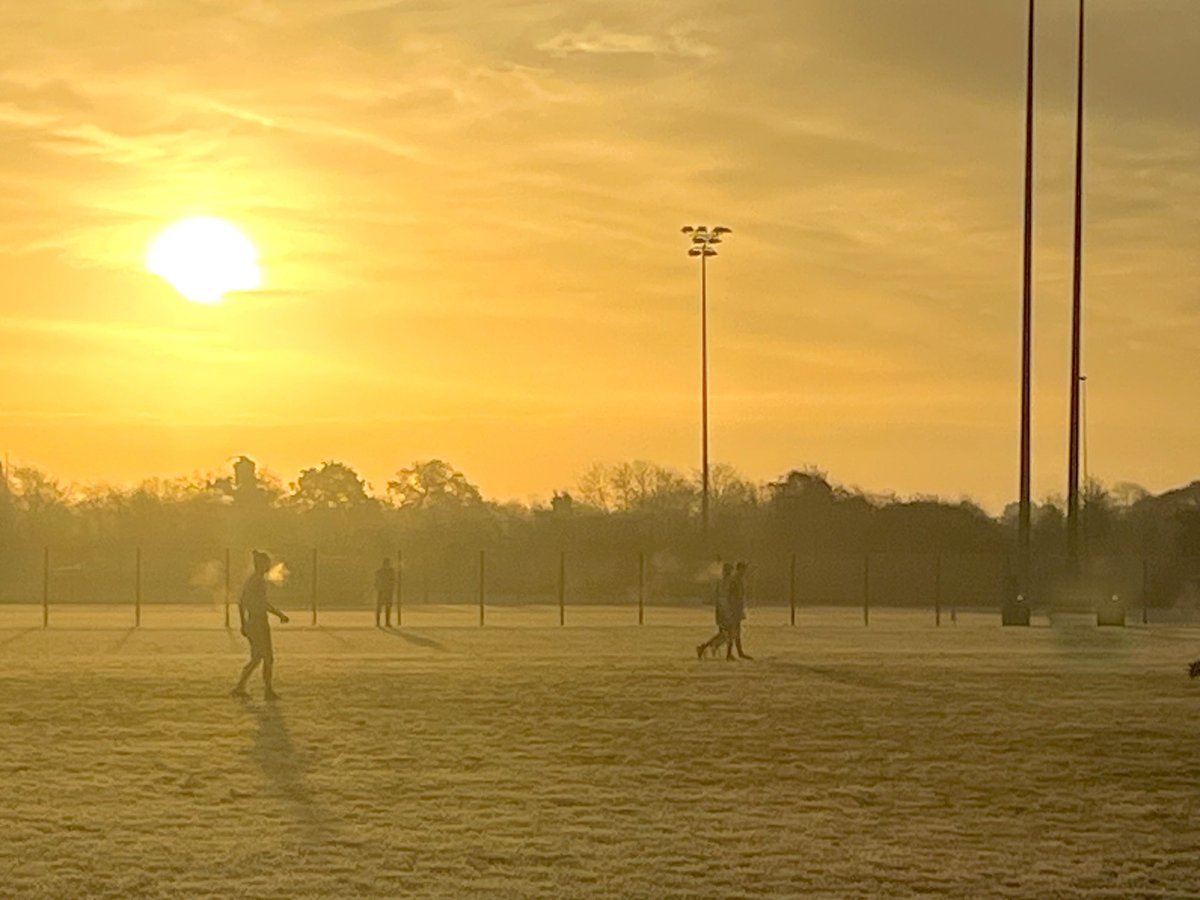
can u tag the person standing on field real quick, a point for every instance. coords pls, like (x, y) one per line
(256, 627)
(385, 589)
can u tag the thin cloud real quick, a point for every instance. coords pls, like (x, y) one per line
(597, 39)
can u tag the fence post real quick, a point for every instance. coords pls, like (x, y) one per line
(399, 586)
(792, 590)
(314, 585)
(866, 588)
(562, 588)
(641, 588)
(481, 583)
(226, 587)
(937, 589)
(1145, 590)
(45, 587)
(137, 591)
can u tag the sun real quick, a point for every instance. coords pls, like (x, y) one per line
(204, 258)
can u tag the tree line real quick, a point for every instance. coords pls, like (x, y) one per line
(620, 523)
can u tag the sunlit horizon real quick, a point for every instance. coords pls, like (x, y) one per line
(470, 236)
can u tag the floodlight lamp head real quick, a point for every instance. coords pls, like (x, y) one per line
(708, 251)
(687, 229)
(721, 229)
(694, 252)
(699, 238)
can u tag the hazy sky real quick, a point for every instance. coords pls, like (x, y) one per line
(468, 215)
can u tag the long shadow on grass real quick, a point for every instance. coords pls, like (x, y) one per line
(855, 676)
(116, 648)
(418, 639)
(18, 635)
(335, 637)
(848, 675)
(286, 773)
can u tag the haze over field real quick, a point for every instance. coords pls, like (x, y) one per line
(468, 232)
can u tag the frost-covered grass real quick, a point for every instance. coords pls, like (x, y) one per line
(597, 760)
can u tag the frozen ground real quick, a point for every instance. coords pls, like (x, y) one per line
(525, 760)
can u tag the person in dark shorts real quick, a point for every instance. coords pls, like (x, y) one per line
(385, 589)
(252, 610)
(721, 607)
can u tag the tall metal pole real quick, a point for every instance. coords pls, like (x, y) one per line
(1076, 315)
(704, 243)
(1023, 527)
(1083, 433)
(704, 390)
(1085, 551)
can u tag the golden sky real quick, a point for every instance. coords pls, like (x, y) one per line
(468, 217)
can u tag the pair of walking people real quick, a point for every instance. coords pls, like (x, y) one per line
(730, 603)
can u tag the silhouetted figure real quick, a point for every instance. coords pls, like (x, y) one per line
(252, 610)
(1194, 669)
(385, 588)
(737, 611)
(721, 610)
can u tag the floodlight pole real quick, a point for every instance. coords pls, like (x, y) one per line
(1083, 424)
(1076, 315)
(1023, 515)
(704, 391)
(1083, 465)
(702, 240)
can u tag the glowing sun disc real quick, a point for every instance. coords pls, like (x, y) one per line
(205, 258)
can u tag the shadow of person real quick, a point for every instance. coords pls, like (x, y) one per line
(419, 640)
(285, 770)
(852, 678)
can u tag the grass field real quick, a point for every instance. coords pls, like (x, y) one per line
(600, 759)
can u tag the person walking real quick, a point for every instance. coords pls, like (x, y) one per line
(737, 611)
(721, 611)
(385, 589)
(256, 627)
